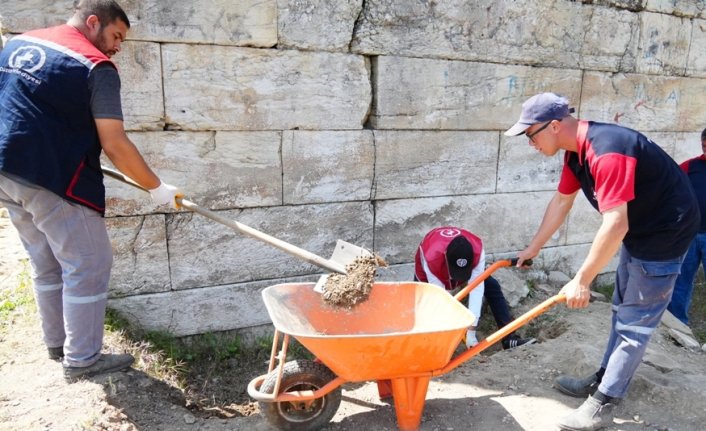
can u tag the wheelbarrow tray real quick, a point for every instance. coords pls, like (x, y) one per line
(402, 329)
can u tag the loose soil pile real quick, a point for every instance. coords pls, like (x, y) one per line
(347, 290)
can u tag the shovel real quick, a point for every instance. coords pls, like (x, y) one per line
(344, 253)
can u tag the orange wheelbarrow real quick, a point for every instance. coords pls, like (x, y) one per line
(406, 332)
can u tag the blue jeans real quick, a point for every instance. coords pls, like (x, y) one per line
(642, 292)
(71, 258)
(684, 287)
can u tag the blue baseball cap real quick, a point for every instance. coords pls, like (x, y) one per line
(540, 108)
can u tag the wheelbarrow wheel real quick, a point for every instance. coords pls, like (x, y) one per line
(303, 415)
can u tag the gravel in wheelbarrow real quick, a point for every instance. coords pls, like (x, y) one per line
(347, 290)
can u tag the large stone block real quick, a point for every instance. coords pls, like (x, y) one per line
(568, 259)
(327, 166)
(197, 311)
(242, 170)
(686, 145)
(140, 67)
(644, 102)
(321, 25)
(218, 22)
(522, 168)
(400, 272)
(239, 22)
(696, 63)
(434, 163)
(224, 88)
(216, 170)
(664, 44)
(505, 222)
(583, 221)
(557, 33)
(414, 93)
(140, 259)
(205, 253)
(22, 16)
(687, 8)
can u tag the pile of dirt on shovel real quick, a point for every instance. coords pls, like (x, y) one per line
(345, 291)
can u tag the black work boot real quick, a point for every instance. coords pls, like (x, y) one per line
(55, 353)
(590, 416)
(579, 388)
(107, 363)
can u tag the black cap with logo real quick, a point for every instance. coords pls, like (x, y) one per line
(459, 259)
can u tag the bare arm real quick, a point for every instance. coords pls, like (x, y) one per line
(555, 214)
(605, 244)
(124, 154)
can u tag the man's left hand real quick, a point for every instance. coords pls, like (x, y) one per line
(577, 295)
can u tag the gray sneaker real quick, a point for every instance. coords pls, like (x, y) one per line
(590, 416)
(107, 363)
(579, 388)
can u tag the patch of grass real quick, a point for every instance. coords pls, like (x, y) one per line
(531, 287)
(170, 358)
(18, 300)
(295, 350)
(151, 357)
(605, 289)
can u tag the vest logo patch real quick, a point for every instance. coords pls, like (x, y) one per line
(449, 233)
(28, 58)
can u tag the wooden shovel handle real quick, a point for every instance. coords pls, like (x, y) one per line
(242, 228)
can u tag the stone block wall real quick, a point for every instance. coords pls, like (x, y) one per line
(369, 121)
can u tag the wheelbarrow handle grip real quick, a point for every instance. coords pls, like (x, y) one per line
(514, 260)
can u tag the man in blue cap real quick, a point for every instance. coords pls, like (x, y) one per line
(649, 213)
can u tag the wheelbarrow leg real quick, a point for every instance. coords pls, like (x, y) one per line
(409, 394)
(384, 389)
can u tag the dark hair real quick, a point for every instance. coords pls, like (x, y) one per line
(703, 134)
(107, 11)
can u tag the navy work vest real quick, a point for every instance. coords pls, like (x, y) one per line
(48, 135)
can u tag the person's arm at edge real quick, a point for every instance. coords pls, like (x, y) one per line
(555, 214)
(604, 246)
(124, 154)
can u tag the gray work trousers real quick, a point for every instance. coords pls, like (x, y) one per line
(71, 257)
(642, 292)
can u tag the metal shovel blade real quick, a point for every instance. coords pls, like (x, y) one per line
(343, 254)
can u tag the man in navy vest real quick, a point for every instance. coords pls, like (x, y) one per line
(59, 108)
(649, 213)
(695, 168)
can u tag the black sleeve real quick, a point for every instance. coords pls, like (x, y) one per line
(104, 85)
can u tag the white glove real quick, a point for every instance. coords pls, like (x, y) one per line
(166, 194)
(471, 339)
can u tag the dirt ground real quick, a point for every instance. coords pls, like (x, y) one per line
(498, 390)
